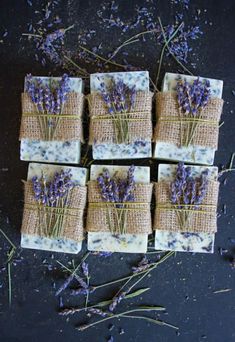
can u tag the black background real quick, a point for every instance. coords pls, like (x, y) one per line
(184, 284)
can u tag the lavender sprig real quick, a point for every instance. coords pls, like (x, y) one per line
(52, 195)
(119, 100)
(186, 192)
(117, 190)
(48, 100)
(192, 99)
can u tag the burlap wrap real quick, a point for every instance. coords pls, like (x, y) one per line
(139, 125)
(204, 221)
(67, 129)
(206, 133)
(73, 217)
(138, 217)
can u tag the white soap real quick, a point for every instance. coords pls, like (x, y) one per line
(185, 241)
(108, 242)
(193, 154)
(67, 152)
(79, 176)
(137, 149)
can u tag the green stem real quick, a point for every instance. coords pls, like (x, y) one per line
(111, 317)
(163, 51)
(7, 238)
(156, 321)
(152, 266)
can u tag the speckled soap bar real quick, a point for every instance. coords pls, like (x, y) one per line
(137, 149)
(66, 152)
(193, 154)
(185, 241)
(79, 176)
(127, 243)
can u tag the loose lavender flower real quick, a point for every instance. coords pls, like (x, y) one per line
(116, 301)
(65, 285)
(97, 312)
(103, 254)
(192, 98)
(85, 269)
(179, 46)
(142, 265)
(82, 291)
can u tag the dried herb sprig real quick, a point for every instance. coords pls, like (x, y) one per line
(126, 315)
(192, 99)
(117, 190)
(53, 200)
(119, 99)
(49, 100)
(10, 255)
(187, 193)
(73, 274)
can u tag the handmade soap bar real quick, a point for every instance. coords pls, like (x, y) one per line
(54, 151)
(200, 242)
(128, 243)
(193, 152)
(140, 147)
(40, 241)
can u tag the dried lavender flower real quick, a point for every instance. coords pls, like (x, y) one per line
(97, 312)
(186, 190)
(116, 300)
(192, 98)
(142, 265)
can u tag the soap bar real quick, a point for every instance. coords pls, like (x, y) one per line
(193, 154)
(79, 176)
(139, 148)
(184, 241)
(127, 243)
(67, 152)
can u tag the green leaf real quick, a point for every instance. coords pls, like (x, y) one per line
(151, 308)
(104, 303)
(130, 295)
(137, 292)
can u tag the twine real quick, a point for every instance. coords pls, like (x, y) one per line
(102, 215)
(175, 127)
(72, 223)
(203, 219)
(68, 123)
(102, 125)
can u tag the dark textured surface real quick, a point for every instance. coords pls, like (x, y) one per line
(185, 284)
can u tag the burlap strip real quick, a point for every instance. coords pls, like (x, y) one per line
(170, 127)
(70, 122)
(138, 212)
(202, 220)
(73, 217)
(102, 128)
